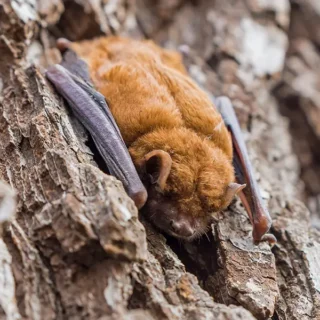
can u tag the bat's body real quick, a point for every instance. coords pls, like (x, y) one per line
(178, 141)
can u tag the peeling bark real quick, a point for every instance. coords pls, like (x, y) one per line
(77, 248)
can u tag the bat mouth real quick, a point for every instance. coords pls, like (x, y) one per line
(178, 236)
(178, 228)
(197, 233)
(182, 234)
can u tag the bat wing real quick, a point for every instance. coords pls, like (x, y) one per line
(250, 196)
(72, 80)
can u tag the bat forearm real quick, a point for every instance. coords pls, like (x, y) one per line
(250, 196)
(94, 115)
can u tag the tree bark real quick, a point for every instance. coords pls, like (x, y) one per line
(77, 247)
(298, 95)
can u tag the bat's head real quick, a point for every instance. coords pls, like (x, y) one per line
(188, 182)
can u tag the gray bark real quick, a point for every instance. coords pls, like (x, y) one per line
(77, 248)
(298, 95)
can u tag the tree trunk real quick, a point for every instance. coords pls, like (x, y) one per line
(298, 94)
(76, 248)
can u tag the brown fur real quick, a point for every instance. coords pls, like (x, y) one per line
(157, 106)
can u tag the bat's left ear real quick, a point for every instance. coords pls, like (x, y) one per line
(157, 165)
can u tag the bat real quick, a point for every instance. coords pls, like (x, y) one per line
(179, 153)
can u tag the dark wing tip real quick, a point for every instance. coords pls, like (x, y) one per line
(139, 197)
(63, 44)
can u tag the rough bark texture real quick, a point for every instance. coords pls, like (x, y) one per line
(298, 95)
(76, 248)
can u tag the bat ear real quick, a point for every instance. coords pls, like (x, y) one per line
(233, 189)
(158, 165)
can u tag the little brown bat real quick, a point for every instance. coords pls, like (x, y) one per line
(185, 148)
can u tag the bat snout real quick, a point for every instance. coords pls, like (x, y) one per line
(181, 228)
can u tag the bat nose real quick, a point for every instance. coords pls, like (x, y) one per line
(181, 228)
